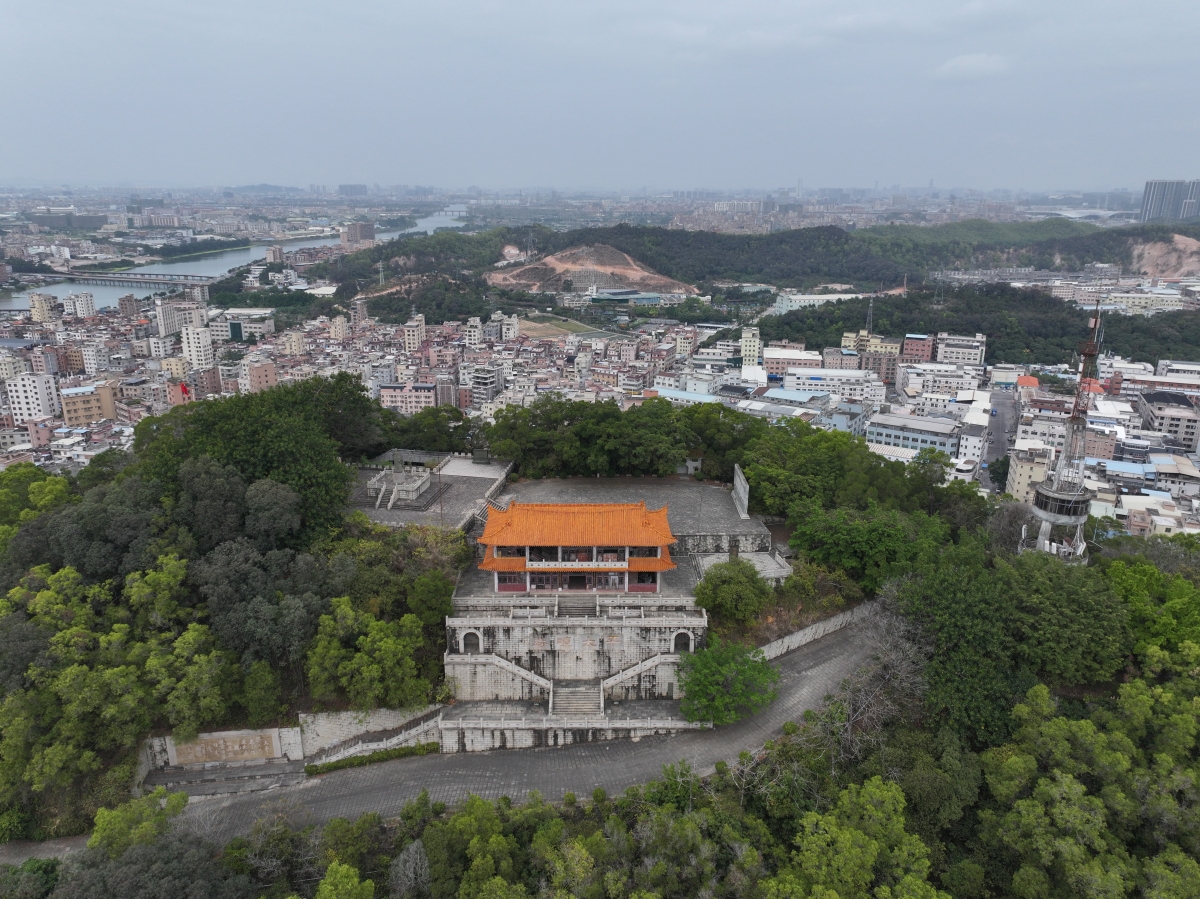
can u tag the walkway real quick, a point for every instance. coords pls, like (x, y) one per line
(808, 674)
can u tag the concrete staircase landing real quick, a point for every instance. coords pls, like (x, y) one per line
(576, 699)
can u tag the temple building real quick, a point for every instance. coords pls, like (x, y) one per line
(545, 547)
(574, 605)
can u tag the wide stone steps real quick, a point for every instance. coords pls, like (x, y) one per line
(577, 606)
(576, 699)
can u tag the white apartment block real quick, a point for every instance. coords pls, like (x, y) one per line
(1168, 367)
(915, 432)
(198, 347)
(31, 397)
(473, 332)
(12, 365)
(80, 305)
(95, 357)
(934, 377)
(1052, 431)
(954, 349)
(414, 333)
(750, 346)
(790, 302)
(850, 384)
(339, 328)
(173, 316)
(1028, 467)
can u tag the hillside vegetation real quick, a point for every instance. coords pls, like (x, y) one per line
(1022, 326)
(798, 258)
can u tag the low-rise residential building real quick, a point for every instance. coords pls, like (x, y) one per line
(850, 384)
(915, 432)
(1171, 414)
(954, 349)
(777, 360)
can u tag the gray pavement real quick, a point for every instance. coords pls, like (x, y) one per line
(692, 508)
(807, 676)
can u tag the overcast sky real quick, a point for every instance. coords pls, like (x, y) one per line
(620, 94)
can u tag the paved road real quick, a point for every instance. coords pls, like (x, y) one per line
(808, 674)
(1002, 426)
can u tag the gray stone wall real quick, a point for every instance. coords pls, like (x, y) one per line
(557, 649)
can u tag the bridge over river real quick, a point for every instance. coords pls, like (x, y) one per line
(137, 279)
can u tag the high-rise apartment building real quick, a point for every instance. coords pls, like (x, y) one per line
(292, 343)
(43, 307)
(80, 305)
(414, 333)
(751, 346)
(198, 347)
(1170, 200)
(274, 255)
(173, 316)
(197, 293)
(95, 357)
(339, 328)
(31, 397)
(128, 306)
(12, 365)
(357, 232)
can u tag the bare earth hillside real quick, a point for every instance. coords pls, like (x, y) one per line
(583, 267)
(1179, 259)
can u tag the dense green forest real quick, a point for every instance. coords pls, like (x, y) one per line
(1023, 728)
(798, 258)
(1021, 326)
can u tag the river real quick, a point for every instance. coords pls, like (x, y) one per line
(212, 264)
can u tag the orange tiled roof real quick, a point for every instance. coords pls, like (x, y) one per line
(1026, 381)
(577, 524)
(492, 562)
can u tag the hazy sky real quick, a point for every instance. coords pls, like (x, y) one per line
(618, 94)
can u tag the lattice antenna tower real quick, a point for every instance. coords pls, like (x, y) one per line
(870, 314)
(1062, 499)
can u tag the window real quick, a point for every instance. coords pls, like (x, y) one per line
(543, 554)
(577, 554)
(543, 582)
(510, 552)
(511, 578)
(610, 554)
(643, 552)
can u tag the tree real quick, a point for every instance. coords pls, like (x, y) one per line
(272, 512)
(136, 822)
(733, 591)
(858, 850)
(341, 882)
(998, 472)
(261, 692)
(871, 546)
(212, 502)
(371, 660)
(429, 598)
(173, 866)
(725, 682)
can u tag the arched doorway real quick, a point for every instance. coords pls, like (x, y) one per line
(683, 642)
(470, 643)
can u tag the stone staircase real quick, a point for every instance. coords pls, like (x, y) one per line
(216, 781)
(577, 607)
(576, 699)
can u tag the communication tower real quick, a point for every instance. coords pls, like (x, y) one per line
(1062, 499)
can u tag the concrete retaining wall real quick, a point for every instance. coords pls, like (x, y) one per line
(322, 730)
(783, 645)
(484, 736)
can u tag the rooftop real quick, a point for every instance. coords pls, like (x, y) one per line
(577, 524)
